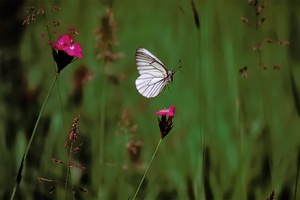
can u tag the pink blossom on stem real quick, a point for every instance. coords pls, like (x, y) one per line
(169, 112)
(165, 125)
(74, 50)
(64, 51)
(65, 43)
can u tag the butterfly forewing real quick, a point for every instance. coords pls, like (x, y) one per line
(154, 76)
(145, 55)
(147, 62)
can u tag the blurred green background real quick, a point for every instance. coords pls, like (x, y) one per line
(233, 137)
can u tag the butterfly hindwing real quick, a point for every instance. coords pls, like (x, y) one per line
(149, 86)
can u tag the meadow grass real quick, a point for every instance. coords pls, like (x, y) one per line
(235, 133)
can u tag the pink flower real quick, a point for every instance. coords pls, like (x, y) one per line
(74, 50)
(165, 125)
(169, 112)
(66, 50)
(65, 43)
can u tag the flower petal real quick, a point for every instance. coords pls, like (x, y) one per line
(65, 39)
(63, 42)
(169, 112)
(74, 50)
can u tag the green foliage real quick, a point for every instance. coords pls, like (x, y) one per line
(234, 137)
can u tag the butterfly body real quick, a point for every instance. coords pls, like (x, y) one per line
(154, 76)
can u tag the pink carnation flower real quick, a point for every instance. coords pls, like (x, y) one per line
(165, 125)
(64, 51)
(65, 43)
(74, 50)
(168, 112)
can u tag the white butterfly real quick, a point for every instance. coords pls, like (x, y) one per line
(154, 75)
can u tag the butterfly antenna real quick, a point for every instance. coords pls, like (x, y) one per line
(178, 64)
(177, 68)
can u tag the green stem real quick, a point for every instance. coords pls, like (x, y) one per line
(263, 93)
(141, 182)
(68, 170)
(102, 122)
(61, 107)
(64, 130)
(297, 175)
(22, 164)
(102, 119)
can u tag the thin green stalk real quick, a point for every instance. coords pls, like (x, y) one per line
(68, 169)
(64, 127)
(141, 182)
(297, 175)
(263, 93)
(200, 73)
(102, 118)
(102, 122)
(260, 64)
(61, 107)
(23, 162)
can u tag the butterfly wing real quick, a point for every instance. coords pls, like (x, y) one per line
(154, 76)
(146, 61)
(149, 85)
